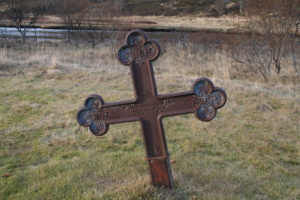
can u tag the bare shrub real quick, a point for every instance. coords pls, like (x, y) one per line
(72, 15)
(219, 6)
(93, 32)
(273, 25)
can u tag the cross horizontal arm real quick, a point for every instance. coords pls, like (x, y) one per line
(165, 105)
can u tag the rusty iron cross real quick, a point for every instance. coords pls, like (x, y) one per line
(148, 107)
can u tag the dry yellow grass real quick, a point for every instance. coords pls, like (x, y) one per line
(198, 22)
(194, 21)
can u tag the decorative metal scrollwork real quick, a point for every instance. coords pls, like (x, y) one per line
(92, 115)
(138, 49)
(210, 99)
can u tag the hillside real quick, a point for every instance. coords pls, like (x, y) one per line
(156, 7)
(181, 7)
(159, 15)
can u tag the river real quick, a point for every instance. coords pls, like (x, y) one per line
(40, 34)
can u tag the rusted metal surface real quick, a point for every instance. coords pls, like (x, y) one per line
(148, 107)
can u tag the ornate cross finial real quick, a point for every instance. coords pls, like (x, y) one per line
(93, 116)
(209, 98)
(137, 49)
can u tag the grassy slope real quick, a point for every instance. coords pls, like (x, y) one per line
(249, 151)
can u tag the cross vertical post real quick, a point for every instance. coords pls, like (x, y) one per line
(148, 107)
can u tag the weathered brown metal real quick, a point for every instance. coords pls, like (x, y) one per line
(148, 107)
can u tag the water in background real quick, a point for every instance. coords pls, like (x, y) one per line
(35, 33)
(40, 34)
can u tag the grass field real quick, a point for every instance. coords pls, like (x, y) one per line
(251, 150)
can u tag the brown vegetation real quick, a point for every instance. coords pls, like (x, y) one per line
(273, 27)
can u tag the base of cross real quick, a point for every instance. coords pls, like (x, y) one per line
(161, 172)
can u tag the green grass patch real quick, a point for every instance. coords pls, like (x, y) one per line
(251, 149)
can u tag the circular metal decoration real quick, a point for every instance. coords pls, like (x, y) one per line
(138, 49)
(211, 98)
(92, 115)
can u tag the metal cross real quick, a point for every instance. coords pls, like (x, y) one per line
(148, 107)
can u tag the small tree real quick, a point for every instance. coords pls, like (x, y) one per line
(219, 6)
(24, 14)
(72, 15)
(253, 52)
(293, 39)
(272, 24)
(98, 22)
